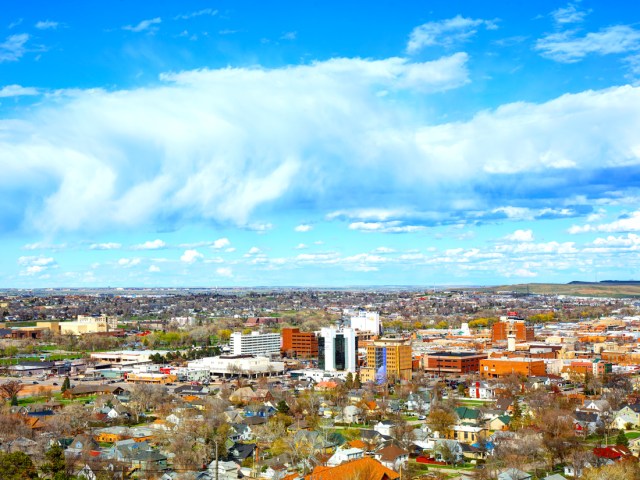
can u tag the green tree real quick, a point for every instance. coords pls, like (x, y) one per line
(66, 384)
(357, 382)
(348, 382)
(622, 439)
(55, 464)
(17, 466)
(282, 407)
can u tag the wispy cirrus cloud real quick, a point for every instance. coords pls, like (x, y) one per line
(198, 13)
(13, 48)
(569, 47)
(105, 246)
(47, 25)
(572, 13)
(156, 244)
(149, 25)
(446, 33)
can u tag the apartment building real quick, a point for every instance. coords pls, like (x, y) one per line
(501, 331)
(255, 343)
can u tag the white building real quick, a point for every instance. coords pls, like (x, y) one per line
(255, 343)
(366, 322)
(240, 365)
(337, 349)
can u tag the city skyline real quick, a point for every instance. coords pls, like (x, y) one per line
(238, 144)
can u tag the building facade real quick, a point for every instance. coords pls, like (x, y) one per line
(500, 367)
(366, 322)
(453, 362)
(388, 359)
(299, 344)
(337, 349)
(255, 343)
(501, 331)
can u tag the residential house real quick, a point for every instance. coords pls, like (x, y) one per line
(514, 474)
(363, 469)
(385, 427)
(81, 443)
(627, 414)
(345, 455)
(392, 456)
(482, 390)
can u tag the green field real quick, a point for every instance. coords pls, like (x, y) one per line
(616, 290)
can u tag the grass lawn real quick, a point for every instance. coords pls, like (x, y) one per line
(473, 403)
(632, 435)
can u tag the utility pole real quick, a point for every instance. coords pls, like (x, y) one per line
(216, 458)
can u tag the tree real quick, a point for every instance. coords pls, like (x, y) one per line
(10, 390)
(17, 466)
(55, 464)
(282, 407)
(617, 471)
(441, 421)
(66, 384)
(622, 439)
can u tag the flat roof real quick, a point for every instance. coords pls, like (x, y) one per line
(455, 354)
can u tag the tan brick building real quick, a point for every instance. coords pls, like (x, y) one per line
(388, 358)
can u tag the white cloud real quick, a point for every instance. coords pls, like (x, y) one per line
(289, 36)
(569, 14)
(44, 246)
(384, 250)
(300, 246)
(221, 243)
(252, 251)
(38, 261)
(144, 25)
(129, 262)
(150, 245)
(46, 25)
(567, 48)
(631, 223)
(105, 246)
(191, 256)
(17, 91)
(303, 228)
(446, 32)
(524, 273)
(224, 272)
(385, 227)
(13, 48)
(520, 236)
(198, 13)
(154, 269)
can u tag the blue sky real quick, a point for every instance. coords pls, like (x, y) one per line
(203, 143)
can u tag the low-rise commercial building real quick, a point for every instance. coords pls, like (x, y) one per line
(238, 366)
(500, 367)
(453, 362)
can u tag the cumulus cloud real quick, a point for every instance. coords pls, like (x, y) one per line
(172, 154)
(154, 269)
(144, 25)
(224, 272)
(446, 32)
(129, 262)
(191, 256)
(221, 243)
(629, 223)
(300, 246)
(17, 91)
(520, 236)
(303, 228)
(150, 245)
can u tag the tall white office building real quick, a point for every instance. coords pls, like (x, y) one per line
(255, 343)
(337, 349)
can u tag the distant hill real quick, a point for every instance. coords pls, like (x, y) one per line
(606, 288)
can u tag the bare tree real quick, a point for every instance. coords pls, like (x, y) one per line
(10, 390)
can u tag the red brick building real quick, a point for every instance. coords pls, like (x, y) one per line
(298, 344)
(501, 331)
(453, 362)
